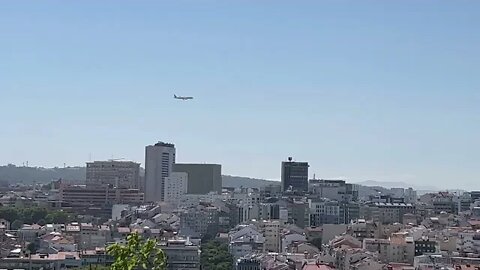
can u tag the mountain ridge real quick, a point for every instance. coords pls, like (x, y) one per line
(27, 175)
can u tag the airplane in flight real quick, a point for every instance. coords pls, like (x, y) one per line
(182, 98)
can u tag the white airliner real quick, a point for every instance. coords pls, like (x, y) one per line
(182, 98)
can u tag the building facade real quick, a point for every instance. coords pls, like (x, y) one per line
(294, 176)
(175, 186)
(159, 161)
(181, 254)
(99, 200)
(202, 178)
(113, 173)
(337, 190)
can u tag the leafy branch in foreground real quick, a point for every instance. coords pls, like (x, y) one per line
(137, 254)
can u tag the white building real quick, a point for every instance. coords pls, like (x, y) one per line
(175, 187)
(159, 160)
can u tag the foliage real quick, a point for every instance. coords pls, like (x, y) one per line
(137, 254)
(31, 215)
(16, 224)
(58, 217)
(32, 247)
(41, 222)
(216, 256)
(317, 242)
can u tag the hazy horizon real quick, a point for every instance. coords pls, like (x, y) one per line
(385, 91)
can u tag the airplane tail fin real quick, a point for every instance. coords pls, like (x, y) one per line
(175, 96)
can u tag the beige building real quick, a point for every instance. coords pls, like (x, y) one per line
(272, 233)
(113, 173)
(400, 248)
(98, 199)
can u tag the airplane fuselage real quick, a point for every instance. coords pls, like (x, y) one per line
(182, 98)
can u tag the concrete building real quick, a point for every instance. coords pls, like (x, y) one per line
(99, 200)
(113, 173)
(387, 213)
(337, 190)
(247, 264)
(175, 187)
(181, 254)
(202, 178)
(294, 175)
(245, 240)
(324, 211)
(362, 229)
(400, 248)
(269, 211)
(271, 231)
(199, 221)
(159, 160)
(410, 195)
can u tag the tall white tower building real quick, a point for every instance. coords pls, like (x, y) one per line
(159, 160)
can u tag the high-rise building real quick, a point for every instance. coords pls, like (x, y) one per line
(175, 186)
(159, 160)
(113, 173)
(202, 178)
(294, 175)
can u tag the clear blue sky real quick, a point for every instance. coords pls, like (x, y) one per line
(383, 90)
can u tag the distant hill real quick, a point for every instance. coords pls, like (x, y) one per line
(27, 175)
(238, 181)
(386, 184)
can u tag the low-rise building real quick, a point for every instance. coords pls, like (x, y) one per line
(181, 254)
(245, 240)
(271, 230)
(399, 248)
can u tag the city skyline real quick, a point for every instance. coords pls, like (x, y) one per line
(367, 91)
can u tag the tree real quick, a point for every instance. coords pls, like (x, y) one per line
(137, 254)
(57, 217)
(16, 224)
(32, 215)
(317, 242)
(216, 256)
(32, 247)
(41, 222)
(9, 213)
